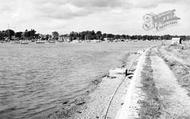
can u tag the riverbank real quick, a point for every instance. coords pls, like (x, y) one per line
(57, 77)
(103, 99)
(159, 88)
(100, 99)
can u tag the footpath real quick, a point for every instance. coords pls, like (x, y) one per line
(155, 91)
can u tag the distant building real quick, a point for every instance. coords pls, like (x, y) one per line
(75, 41)
(176, 41)
(95, 41)
(108, 39)
(64, 38)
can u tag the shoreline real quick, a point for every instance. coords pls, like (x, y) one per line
(98, 100)
(65, 107)
(95, 100)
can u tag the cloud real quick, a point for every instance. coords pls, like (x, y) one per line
(146, 4)
(47, 15)
(6, 7)
(97, 3)
(61, 11)
(67, 9)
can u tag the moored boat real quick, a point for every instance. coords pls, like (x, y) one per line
(24, 42)
(51, 41)
(40, 42)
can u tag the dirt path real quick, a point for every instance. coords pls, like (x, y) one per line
(130, 108)
(172, 56)
(176, 103)
(179, 66)
(155, 90)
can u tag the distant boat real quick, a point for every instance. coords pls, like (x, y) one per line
(17, 42)
(24, 42)
(40, 42)
(60, 41)
(51, 41)
(75, 41)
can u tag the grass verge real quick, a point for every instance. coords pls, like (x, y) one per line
(151, 105)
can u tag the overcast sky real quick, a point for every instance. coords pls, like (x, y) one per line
(111, 16)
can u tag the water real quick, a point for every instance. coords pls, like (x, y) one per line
(36, 78)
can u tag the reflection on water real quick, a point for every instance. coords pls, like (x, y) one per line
(36, 78)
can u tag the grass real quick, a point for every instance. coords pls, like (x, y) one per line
(182, 72)
(151, 105)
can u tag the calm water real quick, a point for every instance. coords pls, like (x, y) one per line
(36, 78)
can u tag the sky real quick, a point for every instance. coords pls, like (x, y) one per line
(110, 16)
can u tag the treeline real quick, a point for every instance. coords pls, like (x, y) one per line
(91, 35)
(10, 34)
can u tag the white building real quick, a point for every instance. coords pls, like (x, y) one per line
(64, 39)
(176, 41)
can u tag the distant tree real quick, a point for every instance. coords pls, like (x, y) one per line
(117, 36)
(18, 35)
(104, 35)
(89, 35)
(99, 35)
(167, 37)
(9, 33)
(123, 36)
(47, 37)
(2, 35)
(74, 35)
(92, 35)
(26, 34)
(32, 33)
(110, 35)
(55, 35)
(82, 35)
(37, 36)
